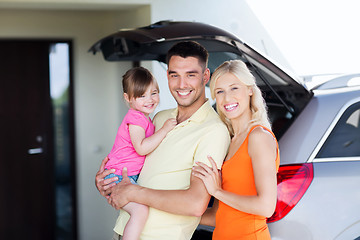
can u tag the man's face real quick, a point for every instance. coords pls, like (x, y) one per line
(187, 79)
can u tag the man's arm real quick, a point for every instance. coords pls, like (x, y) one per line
(191, 202)
(208, 218)
(102, 185)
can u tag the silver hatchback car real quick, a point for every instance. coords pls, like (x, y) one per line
(318, 130)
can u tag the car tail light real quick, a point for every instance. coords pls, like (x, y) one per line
(293, 181)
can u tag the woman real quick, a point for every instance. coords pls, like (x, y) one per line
(245, 192)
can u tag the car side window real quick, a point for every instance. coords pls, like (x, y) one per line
(344, 140)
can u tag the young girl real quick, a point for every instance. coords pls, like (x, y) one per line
(136, 138)
(245, 192)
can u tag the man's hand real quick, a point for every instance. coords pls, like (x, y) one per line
(102, 185)
(120, 193)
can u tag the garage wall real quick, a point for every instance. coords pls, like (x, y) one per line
(97, 89)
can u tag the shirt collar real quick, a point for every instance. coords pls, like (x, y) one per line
(199, 115)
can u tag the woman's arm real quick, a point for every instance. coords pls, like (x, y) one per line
(145, 145)
(264, 167)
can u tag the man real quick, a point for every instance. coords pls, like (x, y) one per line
(175, 197)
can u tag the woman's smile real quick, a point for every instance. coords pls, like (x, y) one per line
(230, 107)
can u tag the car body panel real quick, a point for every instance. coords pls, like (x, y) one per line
(330, 208)
(315, 122)
(321, 213)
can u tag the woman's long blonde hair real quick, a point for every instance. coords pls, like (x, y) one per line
(257, 103)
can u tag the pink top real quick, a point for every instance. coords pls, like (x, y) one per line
(123, 153)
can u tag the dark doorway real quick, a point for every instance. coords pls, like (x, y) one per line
(28, 144)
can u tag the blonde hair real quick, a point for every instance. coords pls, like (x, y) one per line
(257, 103)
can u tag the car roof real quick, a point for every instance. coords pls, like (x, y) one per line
(345, 80)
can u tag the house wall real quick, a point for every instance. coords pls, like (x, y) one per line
(97, 90)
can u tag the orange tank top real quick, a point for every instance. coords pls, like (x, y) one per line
(238, 177)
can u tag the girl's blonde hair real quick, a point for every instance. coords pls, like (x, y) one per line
(257, 103)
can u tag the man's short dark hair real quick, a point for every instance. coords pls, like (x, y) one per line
(189, 49)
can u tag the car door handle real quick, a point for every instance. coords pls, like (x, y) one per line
(35, 151)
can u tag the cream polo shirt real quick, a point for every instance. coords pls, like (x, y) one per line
(169, 167)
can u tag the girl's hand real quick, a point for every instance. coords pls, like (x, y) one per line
(211, 177)
(169, 124)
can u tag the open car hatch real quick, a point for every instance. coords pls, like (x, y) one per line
(284, 94)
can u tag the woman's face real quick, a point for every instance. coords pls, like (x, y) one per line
(232, 96)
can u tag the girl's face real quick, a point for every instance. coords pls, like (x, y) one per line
(147, 102)
(232, 96)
